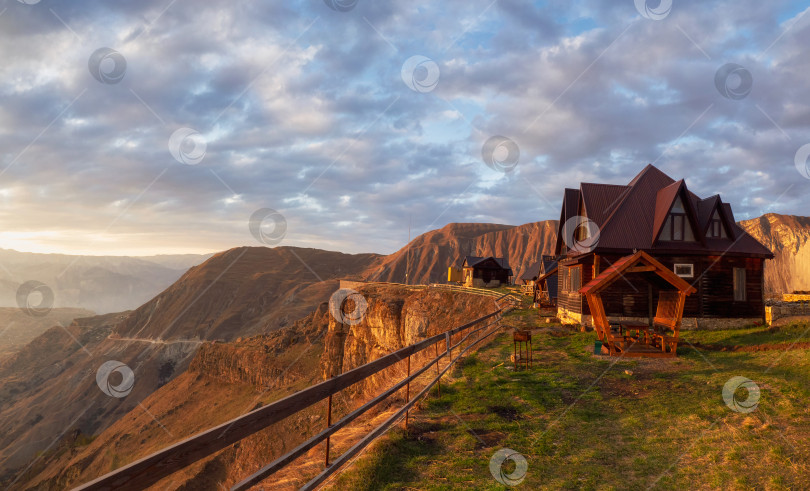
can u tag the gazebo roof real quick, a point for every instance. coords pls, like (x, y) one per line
(640, 262)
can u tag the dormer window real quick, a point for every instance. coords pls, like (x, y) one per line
(716, 229)
(677, 227)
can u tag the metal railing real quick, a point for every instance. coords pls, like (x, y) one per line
(151, 469)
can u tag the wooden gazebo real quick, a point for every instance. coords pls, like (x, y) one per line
(657, 338)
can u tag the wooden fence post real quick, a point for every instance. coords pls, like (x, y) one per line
(438, 381)
(328, 424)
(408, 391)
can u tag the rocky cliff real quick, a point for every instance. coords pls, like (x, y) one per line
(788, 237)
(396, 317)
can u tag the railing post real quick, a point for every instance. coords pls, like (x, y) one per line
(328, 424)
(438, 380)
(408, 391)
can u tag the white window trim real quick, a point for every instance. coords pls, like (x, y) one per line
(691, 270)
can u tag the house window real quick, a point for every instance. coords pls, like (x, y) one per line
(677, 226)
(716, 229)
(685, 270)
(575, 280)
(739, 285)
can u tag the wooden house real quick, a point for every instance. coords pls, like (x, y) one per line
(547, 283)
(696, 238)
(529, 277)
(486, 272)
(540, 280)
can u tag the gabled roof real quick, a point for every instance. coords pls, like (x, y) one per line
(533, 271)
(549, 263)
(706, 208)
(623, 266)
(569, 209)
(631, 217)
(598, 200)
(664, 201)
(539, 268)
(472, 261)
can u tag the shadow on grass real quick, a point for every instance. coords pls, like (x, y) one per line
(395, 461)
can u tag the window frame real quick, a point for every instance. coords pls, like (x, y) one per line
(739, 290)
(571, 271)
(691, 270)
(683, 218)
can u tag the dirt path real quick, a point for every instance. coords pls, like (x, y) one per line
(157, 341)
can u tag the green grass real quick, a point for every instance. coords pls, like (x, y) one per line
(592, 422)
(752, 336)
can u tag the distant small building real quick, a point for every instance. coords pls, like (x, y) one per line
(486, 272)
(539, 280)
(529, 277)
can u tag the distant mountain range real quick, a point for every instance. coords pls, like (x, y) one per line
(102, 284)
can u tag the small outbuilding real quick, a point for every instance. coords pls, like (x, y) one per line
(629, 338)
(486, 272)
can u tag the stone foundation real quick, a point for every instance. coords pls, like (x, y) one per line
(568, 317)
(782, 310)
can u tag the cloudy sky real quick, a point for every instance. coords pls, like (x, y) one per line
(162, 126)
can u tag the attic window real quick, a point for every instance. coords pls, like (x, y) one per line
(677, 226)
(716, 229)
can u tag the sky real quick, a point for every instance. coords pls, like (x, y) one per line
(171, 126)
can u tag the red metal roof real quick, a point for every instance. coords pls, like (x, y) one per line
(630, 217)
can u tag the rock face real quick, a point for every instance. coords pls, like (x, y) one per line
(396, 317)
(788, 237)
(254, 360)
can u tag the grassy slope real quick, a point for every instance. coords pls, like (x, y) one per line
(582, 422)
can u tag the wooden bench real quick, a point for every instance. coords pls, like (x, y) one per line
(667, 321)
